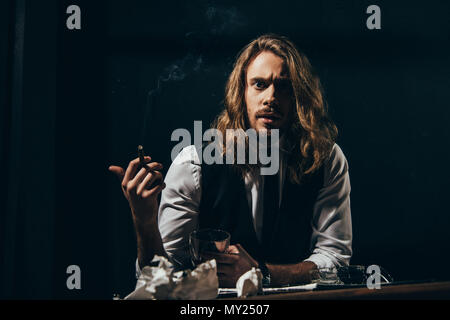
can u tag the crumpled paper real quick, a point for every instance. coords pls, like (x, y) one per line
(250, 283)
(162, 283)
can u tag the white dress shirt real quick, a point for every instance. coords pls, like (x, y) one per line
(331, 240)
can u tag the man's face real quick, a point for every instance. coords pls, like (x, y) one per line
(268, 92)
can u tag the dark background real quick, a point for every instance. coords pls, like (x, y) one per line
(75, 101)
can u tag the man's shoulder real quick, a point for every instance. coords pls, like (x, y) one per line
(183, 176)
(336, 164)
(188, 155)
(337, 157)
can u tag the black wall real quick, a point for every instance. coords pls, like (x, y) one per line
(75, 101)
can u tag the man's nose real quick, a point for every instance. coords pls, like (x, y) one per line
(270, 97)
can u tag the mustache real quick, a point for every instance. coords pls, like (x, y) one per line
(271, 112)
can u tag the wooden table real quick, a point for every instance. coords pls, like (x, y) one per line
(428, 290)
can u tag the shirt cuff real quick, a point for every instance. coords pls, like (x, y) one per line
(323, 259)
(138, 270)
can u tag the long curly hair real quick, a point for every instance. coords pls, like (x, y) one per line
(311, 134)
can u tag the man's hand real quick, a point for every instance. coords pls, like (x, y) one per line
(143, 200)
(231, 265)
(135, 186)
(288, 274)
(236, 261)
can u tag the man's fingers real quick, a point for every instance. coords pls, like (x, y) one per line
(148, 180)
(118, 171)
(148, 170)
(153, 166)
(154, 191)
(221, 257)
(131, 170)
(232, 249)
(133, 184)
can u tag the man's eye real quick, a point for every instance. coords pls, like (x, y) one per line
(260, 85)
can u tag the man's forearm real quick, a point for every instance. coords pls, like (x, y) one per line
(291, 273)
(149, 242)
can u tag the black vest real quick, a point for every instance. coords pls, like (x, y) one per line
(224, 205)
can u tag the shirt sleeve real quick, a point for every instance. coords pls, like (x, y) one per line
(179, 207)
(331, 240)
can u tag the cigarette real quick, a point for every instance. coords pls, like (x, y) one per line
(142, 158)
(141, 155)
(142, 162)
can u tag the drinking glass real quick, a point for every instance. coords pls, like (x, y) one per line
(207, 240)
(351, 275)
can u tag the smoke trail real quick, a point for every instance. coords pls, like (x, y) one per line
(219, 21)
(224, 21)
(175, 72)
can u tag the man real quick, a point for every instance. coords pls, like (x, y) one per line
(286, 224)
